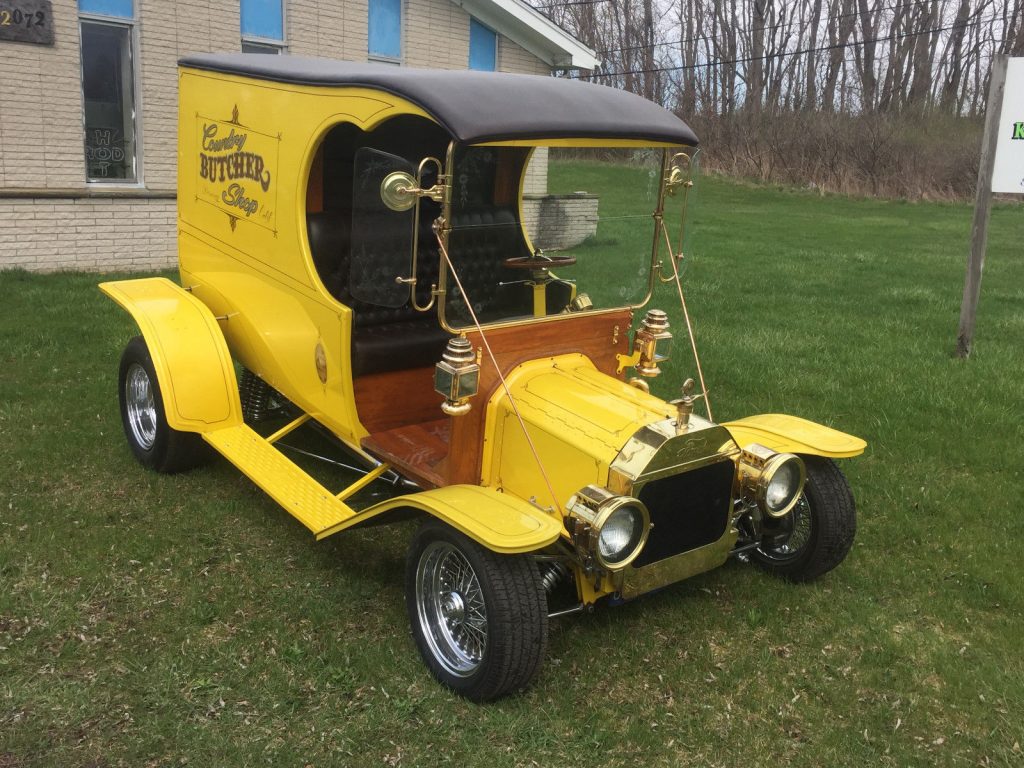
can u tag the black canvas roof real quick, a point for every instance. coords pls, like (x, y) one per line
(477, 106)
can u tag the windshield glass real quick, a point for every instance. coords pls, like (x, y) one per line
(541, 231)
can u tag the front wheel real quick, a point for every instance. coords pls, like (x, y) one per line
(150, 437)
(479, 618)
(817, 534)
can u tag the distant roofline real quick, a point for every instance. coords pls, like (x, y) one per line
(529, 28)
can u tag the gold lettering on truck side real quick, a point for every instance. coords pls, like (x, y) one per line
(236, 168)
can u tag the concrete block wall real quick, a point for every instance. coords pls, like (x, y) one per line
(89, 234)
(41, 139)
(334, 30)
(512, 57)
(68, 224)
(535, 181)
(560, 222)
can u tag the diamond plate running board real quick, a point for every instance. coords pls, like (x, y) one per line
(309, 502)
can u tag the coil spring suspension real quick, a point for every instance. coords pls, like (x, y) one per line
(552, 574)
(256, 397)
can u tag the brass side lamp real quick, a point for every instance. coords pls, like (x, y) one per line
(653, 328)
(457, 376)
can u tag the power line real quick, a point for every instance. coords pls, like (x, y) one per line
(784, 54)
(767, 28)
(571, 2)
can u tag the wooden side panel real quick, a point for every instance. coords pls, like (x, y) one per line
(401, 411)
(386, 401)
(599, 337)
(415, 450)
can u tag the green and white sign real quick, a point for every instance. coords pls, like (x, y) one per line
(1008, 173)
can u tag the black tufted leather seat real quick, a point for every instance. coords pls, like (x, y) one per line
(396, 338)
(480, 243)
(383, 338)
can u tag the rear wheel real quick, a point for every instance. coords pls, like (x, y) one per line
(817, 534)
(479, 618)
(151, 439)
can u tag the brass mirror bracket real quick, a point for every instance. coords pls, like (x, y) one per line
(396, 191)
(401, 192)
(676, 178)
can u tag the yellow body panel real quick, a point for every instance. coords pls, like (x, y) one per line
(578, 419)
(192, 362)
(242, 245)
(497, 520)
(791, 434)
(500, 522)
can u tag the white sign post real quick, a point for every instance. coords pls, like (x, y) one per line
(1001, 170)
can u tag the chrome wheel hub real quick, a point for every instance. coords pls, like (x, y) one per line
(451, 609)
(140, 406)
(799, 536)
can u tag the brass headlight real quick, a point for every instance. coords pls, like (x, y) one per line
(774, 480)
(608, 528)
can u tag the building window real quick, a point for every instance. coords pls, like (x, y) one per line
(262, 26)
(108, 90)
(385, 29)
(483, 47)
(251, 46)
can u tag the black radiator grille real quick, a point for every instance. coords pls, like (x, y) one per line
(688, 510)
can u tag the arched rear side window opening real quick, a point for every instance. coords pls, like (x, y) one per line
(329, 206)
(384, 337)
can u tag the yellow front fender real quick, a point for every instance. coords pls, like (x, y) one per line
(190, 356)
(499, 521)
(791, 434)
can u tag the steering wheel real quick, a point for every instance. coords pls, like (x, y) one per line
(539, 262)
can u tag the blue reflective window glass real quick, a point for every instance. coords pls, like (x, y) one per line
(483, 46)
(123, 8)
(262, 18)
(385, 28)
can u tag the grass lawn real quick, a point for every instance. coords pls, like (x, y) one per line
(150, 620)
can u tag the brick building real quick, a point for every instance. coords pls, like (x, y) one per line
(88, 100)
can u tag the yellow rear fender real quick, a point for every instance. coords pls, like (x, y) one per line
(190, 356)
(791, 434)
(498, 521)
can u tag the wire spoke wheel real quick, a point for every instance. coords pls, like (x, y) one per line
(479, 618)
(818, 532)
(451, 608)
(799, 523)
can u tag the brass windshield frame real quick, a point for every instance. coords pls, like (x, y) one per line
(442, 227)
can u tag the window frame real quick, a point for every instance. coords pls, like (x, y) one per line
(382, 57)
(272, 47)
(469, 57)
(281, 46)
(132, 24)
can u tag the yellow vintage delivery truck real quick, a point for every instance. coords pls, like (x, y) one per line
(448, 273)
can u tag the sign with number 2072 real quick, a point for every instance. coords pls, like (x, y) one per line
(26, 21)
